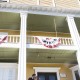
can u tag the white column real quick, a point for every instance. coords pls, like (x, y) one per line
(22, 49)
(38, 2)
(75, 36)
(53, 3)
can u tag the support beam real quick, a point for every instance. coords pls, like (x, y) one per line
(75, 36)
(22, 49)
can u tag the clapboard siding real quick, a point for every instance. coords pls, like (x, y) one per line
(34, 2)
(46, 2)
(67, 3)
(29, 2)
(58, 3)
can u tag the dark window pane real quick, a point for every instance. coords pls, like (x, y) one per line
(41, 77)
(47, 76)
(52, 77)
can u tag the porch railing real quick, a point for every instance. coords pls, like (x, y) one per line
(34, 40)
(63, 41)
(66, 41)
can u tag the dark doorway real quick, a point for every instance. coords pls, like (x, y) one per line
(76, 75)
(47, 76)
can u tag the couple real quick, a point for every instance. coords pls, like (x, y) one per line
(34, 77)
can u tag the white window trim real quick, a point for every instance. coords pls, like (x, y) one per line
(74, 69)
(48, 69)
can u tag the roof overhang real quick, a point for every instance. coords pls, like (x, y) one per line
(8, 7)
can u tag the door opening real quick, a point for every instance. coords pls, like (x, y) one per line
(47, 76)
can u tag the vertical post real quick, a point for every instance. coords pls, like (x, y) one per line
(22, 49)
(53, 3)
(38, 2)
(75, 36)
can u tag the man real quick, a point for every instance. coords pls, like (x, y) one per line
(33, 77)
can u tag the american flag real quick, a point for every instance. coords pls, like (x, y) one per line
(49, 42)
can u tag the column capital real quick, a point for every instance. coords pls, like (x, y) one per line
(70, 17)
(23, 14)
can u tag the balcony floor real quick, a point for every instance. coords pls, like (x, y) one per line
(9, 54)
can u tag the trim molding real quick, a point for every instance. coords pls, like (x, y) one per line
(73, 69)
(47, 69)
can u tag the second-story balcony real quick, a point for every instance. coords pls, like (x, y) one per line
(33, 42)
(37, 26)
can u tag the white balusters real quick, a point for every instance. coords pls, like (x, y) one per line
(66, 41)
(9, 38)
(13, 38)
(34, 40)
(16, 40)
(62, 41)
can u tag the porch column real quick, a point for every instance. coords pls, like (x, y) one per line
(22, 49)
(75, 36)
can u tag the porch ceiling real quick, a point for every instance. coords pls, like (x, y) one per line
(51, 56)
(47, 23)
(36, 22)
(9, 20)
(9, 54)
